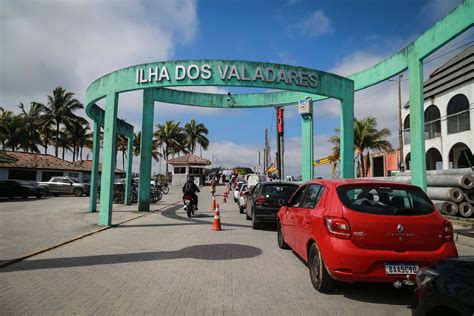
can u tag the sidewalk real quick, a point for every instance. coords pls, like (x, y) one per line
(28, 226)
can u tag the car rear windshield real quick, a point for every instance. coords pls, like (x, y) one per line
(385, 199)
(281, 189)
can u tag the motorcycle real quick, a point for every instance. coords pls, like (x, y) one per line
(189, 206)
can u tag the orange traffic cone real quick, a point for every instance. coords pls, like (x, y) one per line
(216, 224)
(213, 205)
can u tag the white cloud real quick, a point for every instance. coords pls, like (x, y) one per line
(434, 10)
(314, 25)
(46, 44)
(355, 62)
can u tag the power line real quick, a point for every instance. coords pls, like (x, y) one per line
(450, 51)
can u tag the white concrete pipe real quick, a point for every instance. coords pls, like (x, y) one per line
(465, 209)
(442, 172)
(445, 194)
(446, 207)
(453, 180)
(469, 196)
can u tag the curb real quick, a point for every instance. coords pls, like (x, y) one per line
(12, 261)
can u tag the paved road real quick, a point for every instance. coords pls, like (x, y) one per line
(167, 264)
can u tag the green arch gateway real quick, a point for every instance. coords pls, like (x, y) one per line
(292, 84)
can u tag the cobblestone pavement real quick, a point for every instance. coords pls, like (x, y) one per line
(29, 225)
(167, 264)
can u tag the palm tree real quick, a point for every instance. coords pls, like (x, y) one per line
(195, 133)
(366, 137)
(172, 138)
(5, 118)
(14, 133)
(65, 138)
(60, 111)
(121, 144)
(46, 133)
(85, 138)
(31, 127)
(155, 153)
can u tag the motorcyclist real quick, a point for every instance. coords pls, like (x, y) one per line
(190, 188)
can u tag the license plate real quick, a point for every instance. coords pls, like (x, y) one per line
(401, 268)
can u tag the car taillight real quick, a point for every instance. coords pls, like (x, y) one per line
(260, 199)
(338, 227)
(448, 231)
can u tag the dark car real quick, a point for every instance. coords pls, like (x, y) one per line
(20, 188)
(263, 201)
(446, 288)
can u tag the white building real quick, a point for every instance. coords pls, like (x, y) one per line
(188, 165)
(449, 117)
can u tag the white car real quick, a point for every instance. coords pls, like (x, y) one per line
(243, 197)
(237, 191)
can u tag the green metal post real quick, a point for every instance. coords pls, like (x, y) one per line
(347, 136)
(145, 153)
(128, 171)
(108, 161)
(307, 147)
(417, 120)
(95, 168)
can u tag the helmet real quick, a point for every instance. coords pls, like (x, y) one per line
(191, 178)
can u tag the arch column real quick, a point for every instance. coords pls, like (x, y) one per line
(145, 152)
(95, 168)
(417, 120)
(128, 171)
(307, 147)
(108, 161)
(347, 136)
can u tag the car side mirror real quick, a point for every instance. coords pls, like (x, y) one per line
(283, 202)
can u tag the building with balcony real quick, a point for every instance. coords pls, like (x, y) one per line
(449, 117)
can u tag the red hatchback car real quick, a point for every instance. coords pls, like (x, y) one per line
(354, 230)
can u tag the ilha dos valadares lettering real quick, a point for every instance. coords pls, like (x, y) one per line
(227, 72)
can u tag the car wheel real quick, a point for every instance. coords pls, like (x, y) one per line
(77, 192)
(39, 196)
(24, 195)
(320, 277)
(255, 223)
(241, 209)
(281, 239)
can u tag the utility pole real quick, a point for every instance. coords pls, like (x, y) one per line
(280, 143)
(401, 165)
(266, 153)
(258, 161)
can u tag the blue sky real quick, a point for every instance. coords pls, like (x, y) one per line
(69, 43)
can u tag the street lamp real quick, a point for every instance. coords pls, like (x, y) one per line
(398, 79)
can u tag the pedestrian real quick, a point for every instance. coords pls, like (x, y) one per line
(213, 185)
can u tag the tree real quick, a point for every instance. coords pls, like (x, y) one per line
(195, 133)
(121, 144)
(46, 133)
(172, 138)
(31, 127)
(366, 137)
(65, 139)
(13, 132)
(5, 118)
(60, 110)
(155, 154)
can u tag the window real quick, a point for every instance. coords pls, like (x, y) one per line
(74, 174)
(385, 199)
(47, 175)
(406, 130)
(432, 122)
(193, 170)
(280, 189)
(312, 196)
(296, 198)
(22, 174)
(458, 114)
(179, 170)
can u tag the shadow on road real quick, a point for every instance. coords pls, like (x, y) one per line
(200, 252)
(171, 213)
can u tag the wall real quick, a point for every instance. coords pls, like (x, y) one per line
(444, 143)
(3, 174)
